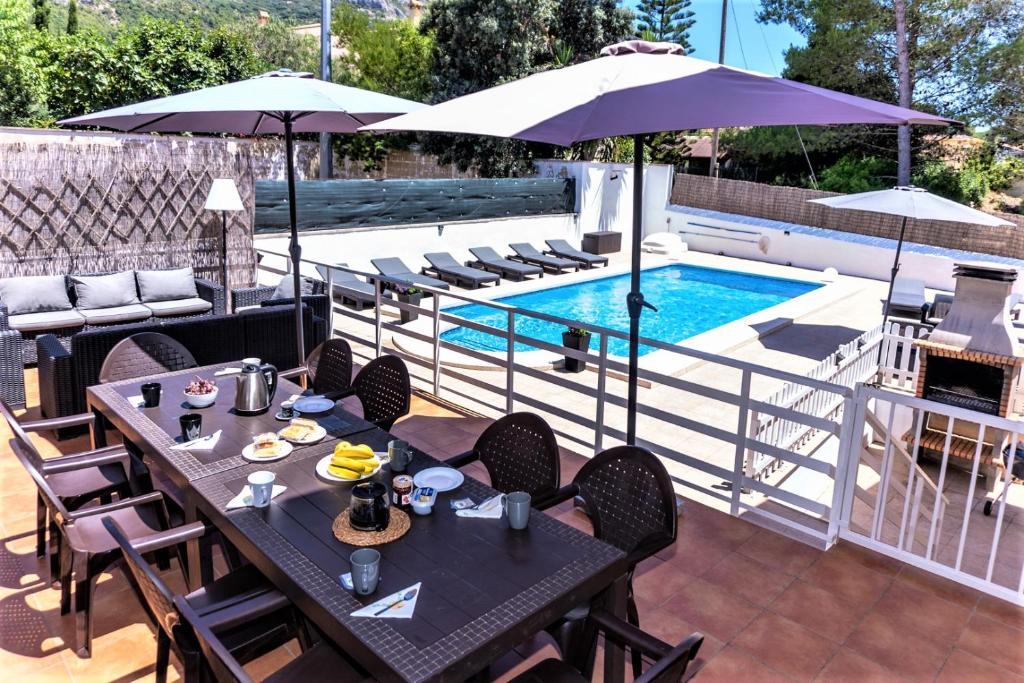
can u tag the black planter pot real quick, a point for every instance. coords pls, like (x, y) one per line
(414, 299)
(576, 343)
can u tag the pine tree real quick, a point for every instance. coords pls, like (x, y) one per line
(72, 17)
(41, 14)
(668, 20)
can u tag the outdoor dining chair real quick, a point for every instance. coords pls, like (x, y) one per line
(670, 663)
(142, 354)
(76, 479)
(86, 549)
(320, 662)
(329, 367)
(248, 614)
(627, 494)
(384, 391)
(520, 453)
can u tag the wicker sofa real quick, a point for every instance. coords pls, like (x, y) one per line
(264, 332)
(314, 296)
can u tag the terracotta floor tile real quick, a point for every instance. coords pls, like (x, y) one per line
(671, 629)
(779, 552)
(963, 666)
(733, 665)
(824, 613)
(786, 646)
(711, 609)
(866, 558)
(848, 580)
(125, 655)
(919, 611)
(908, 653)
(1001, 610)
(994, 641)
(659, 582)
(748, 579)
(695, 553)
(849, 667)
(936, 585)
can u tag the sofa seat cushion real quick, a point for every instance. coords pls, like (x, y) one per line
(192, 306)
(48, 320)
(166, 285)
(34, 294)
(115, 314)
(94, 292)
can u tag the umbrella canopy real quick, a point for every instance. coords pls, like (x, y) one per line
(279, 102)
(634, 89)
(909, 202)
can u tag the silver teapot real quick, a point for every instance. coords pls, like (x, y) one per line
(254, 388)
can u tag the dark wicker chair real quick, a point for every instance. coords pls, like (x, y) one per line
(383, 389)
(245, 610)
(76, 479)
(142, 354)
(320, 662)
(329, 368)
(520, 453)
(670, 663)
(627, 493)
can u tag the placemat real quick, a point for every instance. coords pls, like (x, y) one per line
(398, 525)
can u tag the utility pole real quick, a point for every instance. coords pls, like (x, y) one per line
(713, 161)
(326, 156)
(903, 71)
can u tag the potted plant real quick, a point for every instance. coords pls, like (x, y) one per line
(409, 295)
(577, 339)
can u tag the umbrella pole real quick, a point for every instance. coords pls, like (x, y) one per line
(293, 248)
(892, 283)
(635, 299)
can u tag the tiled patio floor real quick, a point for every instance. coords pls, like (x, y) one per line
(771, 608)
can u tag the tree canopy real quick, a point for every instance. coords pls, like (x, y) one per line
(668, 20)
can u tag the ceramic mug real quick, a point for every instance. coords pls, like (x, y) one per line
(517, 507)
(261, 484)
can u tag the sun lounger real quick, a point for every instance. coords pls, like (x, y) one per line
(907, 298)
(396, 270)
(566, 250)
(446, 267)
(526, 253)
(350, 288)
(491, 261)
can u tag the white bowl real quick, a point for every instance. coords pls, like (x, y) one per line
(201, 400)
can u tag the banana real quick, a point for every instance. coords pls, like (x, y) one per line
(355, 465)
(343, 472)
(346, 450)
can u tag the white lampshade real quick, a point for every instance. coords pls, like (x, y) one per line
(224, 196)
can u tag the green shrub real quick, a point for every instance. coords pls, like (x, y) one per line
(857, 174)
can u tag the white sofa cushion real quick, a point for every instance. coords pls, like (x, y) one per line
(115, 314)
(166, 285)
(34, 294)
(46, 320)
(163, 309)
(105, 291)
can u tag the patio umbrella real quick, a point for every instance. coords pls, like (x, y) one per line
(275, 103)
(634, 89)
(909, 202)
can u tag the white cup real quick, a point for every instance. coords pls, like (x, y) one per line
(252, 361)
(261, 484)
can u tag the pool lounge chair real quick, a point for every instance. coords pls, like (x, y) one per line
(446, 267)
(566, 250)
(908, 298)
(491, 261)
(349, 288)
(526, 253)
(395, 269)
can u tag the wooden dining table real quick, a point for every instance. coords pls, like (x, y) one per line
(485, 588)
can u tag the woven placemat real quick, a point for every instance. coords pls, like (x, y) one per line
(398, 525)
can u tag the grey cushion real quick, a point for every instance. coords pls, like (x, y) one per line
(115, 314)
(166, 285)
(105, 291)
(286, 288)
(47, 320)
(34, 294)
(162, 309)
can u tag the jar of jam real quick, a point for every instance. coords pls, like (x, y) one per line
(401, 490)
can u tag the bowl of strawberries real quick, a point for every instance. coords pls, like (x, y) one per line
(200, 393)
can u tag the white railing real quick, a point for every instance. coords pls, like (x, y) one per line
(897, 363)
(930, 486)
(703, 447)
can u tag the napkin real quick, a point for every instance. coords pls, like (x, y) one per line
(244, 497)
(488, 509)
(137, 401)
(394, 606)
(203, 443)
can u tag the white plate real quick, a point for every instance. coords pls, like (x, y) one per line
(324, 473)
(314, 436)
(440, 479)
(313, 405)
(247, 453)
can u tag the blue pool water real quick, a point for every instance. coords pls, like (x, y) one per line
(690, 300)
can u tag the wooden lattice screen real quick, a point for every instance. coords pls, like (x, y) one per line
(96, 202)
(790, 204)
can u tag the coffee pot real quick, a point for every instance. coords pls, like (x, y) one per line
(254, 388)
(370, 508)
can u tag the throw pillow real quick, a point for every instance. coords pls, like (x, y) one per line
(286, 288)
(105, 291)
(166, 285)
(34, 294)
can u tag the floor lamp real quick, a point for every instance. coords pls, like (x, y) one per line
(224, 197)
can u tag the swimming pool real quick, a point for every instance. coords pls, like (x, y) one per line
(690, 300)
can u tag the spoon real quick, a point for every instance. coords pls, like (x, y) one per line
(397, 603)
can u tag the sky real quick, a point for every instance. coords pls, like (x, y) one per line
(759, 47)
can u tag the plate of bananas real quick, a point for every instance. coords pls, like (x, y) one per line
(349, 463)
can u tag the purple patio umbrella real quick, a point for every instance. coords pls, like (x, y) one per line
(634, 89)
(276, 103)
